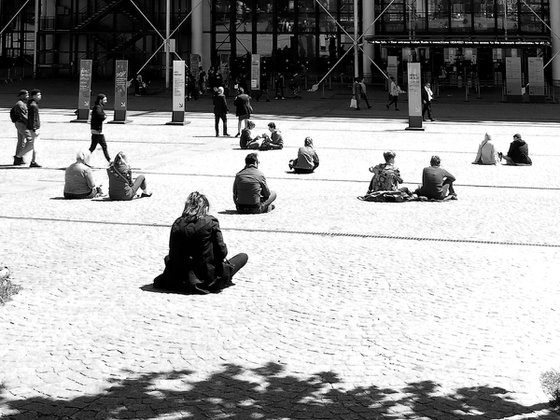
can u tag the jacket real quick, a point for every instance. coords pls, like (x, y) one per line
(195, 247)
(97, 117)
(307, 158)
(120, 182)
(519, 152)
(486, 153)
(250, 187)
(242, 105)
(33, 120)
(21, 111)
(220, 105)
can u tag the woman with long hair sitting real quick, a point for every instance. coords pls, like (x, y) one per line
(121, 184)
(196, 261)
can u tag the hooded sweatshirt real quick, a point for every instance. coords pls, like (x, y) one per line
(519, 152)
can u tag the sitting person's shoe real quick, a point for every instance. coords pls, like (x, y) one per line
(145, 194)
(270, 208)
(18, 161)
(35, 165)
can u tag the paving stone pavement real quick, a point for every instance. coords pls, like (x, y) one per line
(345, 310)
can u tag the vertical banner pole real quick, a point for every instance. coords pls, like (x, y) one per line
(84, 91)
(255, 71)
(414, 97)
(121, 87)
(178, 115)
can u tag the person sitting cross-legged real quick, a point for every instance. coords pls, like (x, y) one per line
(274, 141)
(247, 141)
(196, 262)
(307, 160)
(437, 183)
(518, 153)
(251, 194)
(386, 176)
(121, 184)
(78, 179)
(486, 154)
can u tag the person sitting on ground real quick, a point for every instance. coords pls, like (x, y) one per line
(486, 154)
(518, 153)
(196, 261)
(386, 176)
(274, 141)
(251, 194)
(78, 178)
(307, 160)
(121, 184)
(437, 183)
(246, 141)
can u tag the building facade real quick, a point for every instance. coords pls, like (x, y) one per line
(453, 39)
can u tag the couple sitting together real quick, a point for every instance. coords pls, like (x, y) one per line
(517, 155)
(437, 183)
(263, 141)
(79, 182)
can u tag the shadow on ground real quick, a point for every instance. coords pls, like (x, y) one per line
(270, 393)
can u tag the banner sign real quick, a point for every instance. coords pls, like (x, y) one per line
(255, 71)
(121, 83)
(178, 116)
(513, 76)
(84, 94)
(536, 76)
(414, 96)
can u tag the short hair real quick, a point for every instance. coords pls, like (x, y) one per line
(83, 156)
(435, 161)
(196, 206)
(100, 97)
(251, 159)
(250, 124)
(517, 135)
(34, 92)
(389, 155)
(308, 141)
(220, 90)
(272, 125)
(23, 92)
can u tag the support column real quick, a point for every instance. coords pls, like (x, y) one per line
(368, 16)
(555, 25)
(196, 27)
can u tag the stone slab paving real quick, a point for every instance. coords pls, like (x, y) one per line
(345, 310)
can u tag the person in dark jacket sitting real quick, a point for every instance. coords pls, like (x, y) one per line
(274, 141)
(97, 117)
(251, 194)
(196, 261)
(121, 184)
(518, 153)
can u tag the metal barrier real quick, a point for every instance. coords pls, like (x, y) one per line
(10, 75)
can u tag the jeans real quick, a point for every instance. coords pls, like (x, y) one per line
(99, 139)
(238, 262)
(262, 207)
(23, 136)
(217, 118)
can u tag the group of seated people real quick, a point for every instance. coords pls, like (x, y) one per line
(274, 141)
(79, 182)
(517, 155)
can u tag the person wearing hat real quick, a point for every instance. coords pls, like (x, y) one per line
(33, 125)
(97, 117)
(19, 117)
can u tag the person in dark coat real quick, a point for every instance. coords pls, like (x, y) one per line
(220, 111)
(518, 153)
(97, 117)
(243, 109)
(196, 261)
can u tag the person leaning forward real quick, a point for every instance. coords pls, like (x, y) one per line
(251, 194)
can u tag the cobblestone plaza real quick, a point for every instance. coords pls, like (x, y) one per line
(345, 310)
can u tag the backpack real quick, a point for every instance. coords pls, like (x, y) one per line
(13, 114)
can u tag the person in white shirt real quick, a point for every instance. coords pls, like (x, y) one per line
(486, 154)
(394, 91)
(427, 96)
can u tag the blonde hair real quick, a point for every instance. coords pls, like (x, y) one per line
(196, 206)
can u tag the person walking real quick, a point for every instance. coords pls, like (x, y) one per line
(19, 118)
(33, 125)
(363, 93)
(98, 115)
(427, 97)
(394, 91)
(220, 111)
(357, 92)
(251, 194)
(243, 109)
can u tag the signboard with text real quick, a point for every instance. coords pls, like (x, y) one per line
(84, 94)
(178, 116)
(536, 76)
(121, 81)
(255, 71)
(513, 76)
(414, 96)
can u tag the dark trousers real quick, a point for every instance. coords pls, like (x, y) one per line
(427, 108)
(217, 118)
(238, 262)
(365, 98)
(393, 100)
(99, 139)
(262, 207)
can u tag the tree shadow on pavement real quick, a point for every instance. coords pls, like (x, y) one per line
(268, 392)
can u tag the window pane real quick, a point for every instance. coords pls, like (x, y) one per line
(438, 15)
(222, 13)
(529, 22)
(326, 23)
(306, 17)
(484, 15)
(507, 16)
(285, 16)
(393, 19)
(264, 16)
(461, 17)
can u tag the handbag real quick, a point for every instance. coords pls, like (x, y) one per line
(353, 103)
